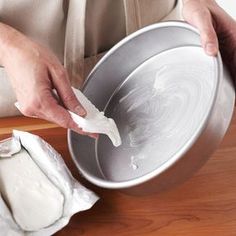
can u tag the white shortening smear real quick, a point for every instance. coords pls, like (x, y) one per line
(95, 121)
(38, 194)
(34, 201)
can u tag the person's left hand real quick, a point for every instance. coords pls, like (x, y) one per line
(199, 14)
(216, 27)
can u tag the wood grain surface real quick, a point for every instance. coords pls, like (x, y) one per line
(205, 205)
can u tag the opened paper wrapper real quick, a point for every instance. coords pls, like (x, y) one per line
(76, 197)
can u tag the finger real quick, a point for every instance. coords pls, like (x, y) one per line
(208, 35)
(62, 85)
(201, 18)
(55, 113)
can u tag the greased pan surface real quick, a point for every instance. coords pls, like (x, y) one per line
(172, 105)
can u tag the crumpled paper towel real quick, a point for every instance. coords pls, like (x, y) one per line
(77, 197)
(95, 121)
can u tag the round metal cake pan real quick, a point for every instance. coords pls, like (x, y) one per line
(160, 163)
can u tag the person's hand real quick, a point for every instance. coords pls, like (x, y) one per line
(34, 72)
(216, 27)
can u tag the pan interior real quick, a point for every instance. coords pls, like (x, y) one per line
(158, 109)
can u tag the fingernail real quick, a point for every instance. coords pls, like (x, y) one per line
(80, 111)
(211, 49)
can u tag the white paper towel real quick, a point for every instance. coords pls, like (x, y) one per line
(95, 121)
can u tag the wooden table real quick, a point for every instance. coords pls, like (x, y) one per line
(204, 205)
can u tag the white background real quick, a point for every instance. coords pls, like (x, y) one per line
(229, 6)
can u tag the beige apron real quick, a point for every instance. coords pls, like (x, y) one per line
(78, 31)
(98, 19)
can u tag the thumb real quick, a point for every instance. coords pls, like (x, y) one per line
(62, 85)
(209, 39)
(201, 18)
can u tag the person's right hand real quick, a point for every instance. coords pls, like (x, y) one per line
(34, 71)
(216, 27)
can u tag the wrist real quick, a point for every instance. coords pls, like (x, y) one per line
(8, 37)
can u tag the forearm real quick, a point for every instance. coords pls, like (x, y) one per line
(9, 39)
